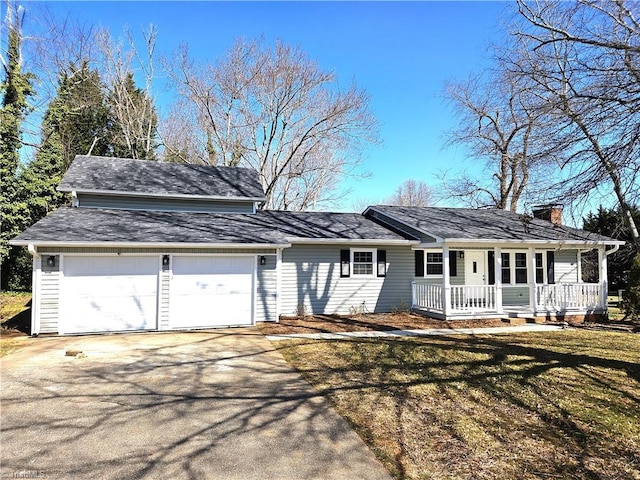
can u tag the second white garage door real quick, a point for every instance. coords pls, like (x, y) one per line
(211, 291)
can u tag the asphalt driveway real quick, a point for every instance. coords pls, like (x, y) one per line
(203, 405)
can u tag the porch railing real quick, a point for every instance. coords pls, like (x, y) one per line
(473, 298)
(564, 296)
(466, 299)
(427, 296)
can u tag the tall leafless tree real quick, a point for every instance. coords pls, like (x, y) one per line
(500, 123)
(132, 107)
(583, 59)
(274, 110)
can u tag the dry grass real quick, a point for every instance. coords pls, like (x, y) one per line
(14, 318)
(367, 322)
(553, 405)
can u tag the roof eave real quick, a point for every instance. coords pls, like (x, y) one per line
(178, 196)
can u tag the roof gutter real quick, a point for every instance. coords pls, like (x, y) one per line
(33, 244)
(360, 241)
(483, 242)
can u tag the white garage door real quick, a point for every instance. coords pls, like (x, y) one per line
(108, 294)
(211, 291)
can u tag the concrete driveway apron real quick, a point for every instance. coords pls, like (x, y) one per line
(204, 405)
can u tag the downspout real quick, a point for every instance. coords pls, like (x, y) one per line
(35, 281)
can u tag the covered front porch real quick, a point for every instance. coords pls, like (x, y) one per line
(459, 282)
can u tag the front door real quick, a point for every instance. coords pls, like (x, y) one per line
(475, 262)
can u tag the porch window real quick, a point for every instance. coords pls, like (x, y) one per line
(434, 263)
(506, 268)
(539, 268)
(521, 267)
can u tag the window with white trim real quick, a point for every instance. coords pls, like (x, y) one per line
(433, 263)
(362, 262)
(521, 267)
(540, 270)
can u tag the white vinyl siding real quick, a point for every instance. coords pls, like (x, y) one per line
(48, 299)
(311, 277)
(266, 294)
(566, 266)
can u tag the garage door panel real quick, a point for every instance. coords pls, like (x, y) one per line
(103, 294)
(211, 291)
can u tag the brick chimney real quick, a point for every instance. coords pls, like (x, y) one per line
(551, 213)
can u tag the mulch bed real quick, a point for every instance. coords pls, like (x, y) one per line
(369, 322)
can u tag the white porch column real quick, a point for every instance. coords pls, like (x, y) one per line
(278, 283)
(531, 272)
(602, 276)
(446, 281)
(497, 275)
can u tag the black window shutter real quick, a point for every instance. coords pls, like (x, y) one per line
(382, 263)
(453, 263)
(345, 261)
(419, 270)
(551, 268)
(492, 267)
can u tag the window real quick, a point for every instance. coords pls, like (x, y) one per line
(506, 268)
(434, 263)
(362, 261)
(539, 268)
(521, 267)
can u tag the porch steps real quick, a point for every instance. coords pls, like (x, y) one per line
(520, 318)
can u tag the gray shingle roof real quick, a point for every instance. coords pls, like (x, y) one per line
(474, 224)
(330, 226)
(146, 177)
(92, 225)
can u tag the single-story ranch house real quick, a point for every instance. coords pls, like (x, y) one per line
(163, 246)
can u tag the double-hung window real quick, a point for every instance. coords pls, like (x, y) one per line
(363, 261)
(521, 267)
(434, 263)
(506, 268)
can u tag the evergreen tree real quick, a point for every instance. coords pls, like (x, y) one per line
(16, 88)
(611, 222)
(631, 303)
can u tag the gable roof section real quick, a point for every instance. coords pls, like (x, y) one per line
(121, 176)
(461, 224)
(94, 226)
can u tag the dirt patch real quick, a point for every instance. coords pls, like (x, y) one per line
(369, 322)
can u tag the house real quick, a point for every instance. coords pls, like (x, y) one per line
(162, 246)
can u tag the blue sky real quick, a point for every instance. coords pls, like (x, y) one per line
(401, 53)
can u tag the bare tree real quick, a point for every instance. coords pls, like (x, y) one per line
(274, 110)
(412, 193)
(583, 59)
(132, 108)
(500, 123)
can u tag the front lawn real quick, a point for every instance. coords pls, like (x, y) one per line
(545, 405)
